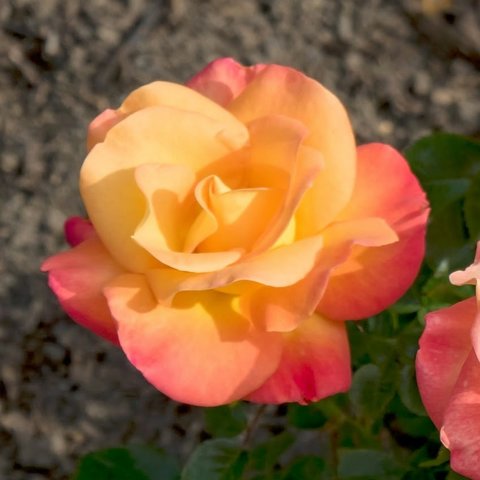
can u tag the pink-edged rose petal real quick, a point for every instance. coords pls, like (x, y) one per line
(200, 350)
(444, 346)
(77, 230)
(315, 363)
(377, 277)
(223, 79)
(101, 124)
(77, 277)
(461, 427)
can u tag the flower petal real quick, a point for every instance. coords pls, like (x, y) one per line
(353, 291)
(279, 267)
(461, 428)
(283, 309)
(166, 189)
(101, 124)
(284, 91)
(77, 277)
(166, 94)
(241, 217)
(315, 363)
(444, 346)
(77, 230)
(155, 135)
(201, 351)
(224, 79)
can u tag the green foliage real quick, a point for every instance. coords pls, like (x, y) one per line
(128, 463)
(218, 459)
(448, 167)
(225, 421)
(379, 429)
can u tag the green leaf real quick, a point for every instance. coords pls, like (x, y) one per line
(308, 467)
(442, 457)
(408, 390)
(264, 457)
(472, 208)
(444, 156)
(371, 391)
(445, 165)
(217, 459)
(455, 476)
(366, 464)
(449, 246)
(305, 417)
(225, 421)
(127, 463)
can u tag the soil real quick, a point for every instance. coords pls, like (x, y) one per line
(404, 68)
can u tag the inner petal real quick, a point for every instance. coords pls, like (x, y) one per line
(241, 215)
(166, 189)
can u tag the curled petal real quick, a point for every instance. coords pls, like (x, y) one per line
(279, 267)
(315, 363)
(200, 351)
(461, 427)
(444, 346)
(77, 277)
(353, 291)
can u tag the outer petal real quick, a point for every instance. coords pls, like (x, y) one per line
(201, 351)
(444, 346)
(156, 135)
(315, 364)
(224, 79)
(283, 91)
(101, 124)
(386, 188)
(461, 429)
(156, 94)
(283, 309)
(77, 230)
(77, 277)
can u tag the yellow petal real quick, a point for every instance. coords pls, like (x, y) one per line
(158, 135)
(284, 91)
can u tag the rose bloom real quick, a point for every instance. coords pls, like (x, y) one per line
(448, 374)
(233, 227)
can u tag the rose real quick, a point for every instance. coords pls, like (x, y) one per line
(448, 374)
(234, 226)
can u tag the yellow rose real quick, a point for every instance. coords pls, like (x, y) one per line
(234, 226)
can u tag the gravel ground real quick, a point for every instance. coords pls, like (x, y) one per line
(403, 68)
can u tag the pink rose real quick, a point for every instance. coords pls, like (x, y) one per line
(448, 374)
(234, 227)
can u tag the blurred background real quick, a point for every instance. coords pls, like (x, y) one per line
(403, 68)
